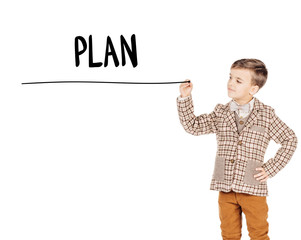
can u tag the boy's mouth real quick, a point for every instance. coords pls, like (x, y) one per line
(229, 89)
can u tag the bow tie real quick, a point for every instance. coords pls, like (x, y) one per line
(244, 108)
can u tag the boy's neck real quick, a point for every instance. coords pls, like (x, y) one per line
(243, 101)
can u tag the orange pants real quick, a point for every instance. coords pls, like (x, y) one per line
(255, 208)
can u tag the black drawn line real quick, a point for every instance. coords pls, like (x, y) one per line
(103, 82)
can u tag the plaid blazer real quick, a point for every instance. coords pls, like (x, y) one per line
(239, 154)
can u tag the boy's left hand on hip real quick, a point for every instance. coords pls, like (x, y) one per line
(263, 176)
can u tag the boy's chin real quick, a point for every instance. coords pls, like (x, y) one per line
(230, 95)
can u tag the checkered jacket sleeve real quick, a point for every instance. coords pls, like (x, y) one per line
(285, 136)
(195, 125)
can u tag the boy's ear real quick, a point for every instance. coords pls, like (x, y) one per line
(254, 89)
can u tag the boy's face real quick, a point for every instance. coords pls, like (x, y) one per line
(239, 85)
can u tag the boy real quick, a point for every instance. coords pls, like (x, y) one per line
(243, 127)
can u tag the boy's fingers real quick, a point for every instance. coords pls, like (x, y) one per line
(264, 179)
(260, 178)
(258, 174)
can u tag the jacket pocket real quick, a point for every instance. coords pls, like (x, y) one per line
(219, 168)
(257, 129)
(251, 171)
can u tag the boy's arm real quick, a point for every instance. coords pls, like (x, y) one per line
(282, 134)
(195, 125)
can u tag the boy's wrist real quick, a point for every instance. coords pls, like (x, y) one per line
(180, 98)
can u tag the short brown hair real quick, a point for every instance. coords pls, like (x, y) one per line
(258, 69)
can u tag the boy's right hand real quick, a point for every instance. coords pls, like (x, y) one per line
(186, 88)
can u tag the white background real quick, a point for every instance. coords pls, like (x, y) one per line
(112, 161)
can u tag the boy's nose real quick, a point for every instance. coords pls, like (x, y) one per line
(230, 83)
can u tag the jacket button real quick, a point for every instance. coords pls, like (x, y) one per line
(232, 161)
(241, 122)
(240, 142)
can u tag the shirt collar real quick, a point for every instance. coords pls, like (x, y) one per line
(251, 103)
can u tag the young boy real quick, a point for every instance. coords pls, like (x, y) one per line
(243, 128)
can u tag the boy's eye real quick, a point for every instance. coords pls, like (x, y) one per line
(236, 80)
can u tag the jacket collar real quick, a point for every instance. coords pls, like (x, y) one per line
(256, 105)
(230, 115)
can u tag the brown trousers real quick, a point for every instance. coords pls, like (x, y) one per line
(255, 208)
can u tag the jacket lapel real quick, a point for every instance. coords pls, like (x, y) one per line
(230, 118)
(254, 114)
